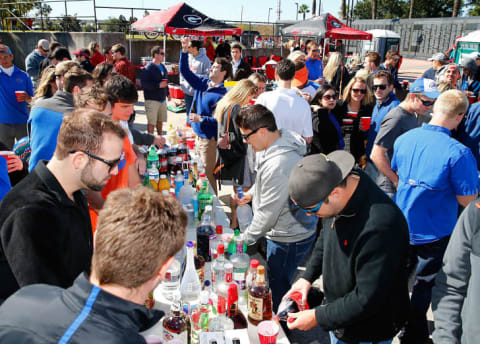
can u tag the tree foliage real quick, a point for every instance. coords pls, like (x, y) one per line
(389, 9)
(303, 10)
(69, 24)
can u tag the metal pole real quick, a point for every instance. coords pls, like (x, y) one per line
(165, 44)
(95, 14)
(296, 18)
(41, 15)
(66, 9)
(130, 39)
(268, 21)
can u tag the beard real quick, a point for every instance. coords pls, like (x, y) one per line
(90, 181)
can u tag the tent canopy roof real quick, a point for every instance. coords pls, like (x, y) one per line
(473, 36)
(383, 33)
(182, 19)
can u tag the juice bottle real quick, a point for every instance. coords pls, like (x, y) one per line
(163, 183)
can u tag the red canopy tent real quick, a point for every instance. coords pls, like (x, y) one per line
(326, 26)
(182, 19)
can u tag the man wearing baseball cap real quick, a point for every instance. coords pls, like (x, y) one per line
(82, 56)
(399, 120)
(361, 252)
(438, 62)
(33, 60)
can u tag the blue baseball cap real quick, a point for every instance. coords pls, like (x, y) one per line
(426, 86)
(5, 49)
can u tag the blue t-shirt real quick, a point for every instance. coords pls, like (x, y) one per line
(5, 185)
(433, 169)
(379, 112)
(13, 112)
(315, 69)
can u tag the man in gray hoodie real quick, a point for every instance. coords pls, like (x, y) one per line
(199, 64)
(289, 231)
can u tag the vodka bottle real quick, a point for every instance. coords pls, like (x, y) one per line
(221, 323)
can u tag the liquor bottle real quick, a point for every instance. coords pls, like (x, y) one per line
(239, 321)
(201, 316)
(199, 264)
(251, 275)
(217, 240)
(190, 286)
(218, 266)
(170, 286)
(204, 230)
(175, 325)
(221, 323)
(259, 299)
(240, 261)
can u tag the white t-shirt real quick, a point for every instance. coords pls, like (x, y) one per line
(291, 111)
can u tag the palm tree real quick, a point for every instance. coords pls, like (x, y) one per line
(303, 10)
(456, 8)
(374, 9)
(412, 4)
(343, 10)
(314, 7)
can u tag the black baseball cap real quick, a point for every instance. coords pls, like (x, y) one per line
(314, 177)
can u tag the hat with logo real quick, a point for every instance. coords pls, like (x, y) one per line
(314, 177)
(426, 86)
(44, 44)
(438, 57)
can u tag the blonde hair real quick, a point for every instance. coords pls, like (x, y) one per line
(347, 95)
(91, 95)
(450, 104)
(131, 246)
(238, 94)
(355, 60)
(445, 86)
(294, 55)
(334, 61)
(44, 88)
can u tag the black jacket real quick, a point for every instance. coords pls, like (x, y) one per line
(340, 79)
(243, 71)
(151, 77)
(45, 237)
(358, 137)
(325, 135)
(42, 314)
(362, 254)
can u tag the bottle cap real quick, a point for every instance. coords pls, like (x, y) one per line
(202, 175)
(221, 248)
(232, 294)
(190, 244)
(254, 263)
(239, 189)
(261, 270)
(219, 229)
(163, 176)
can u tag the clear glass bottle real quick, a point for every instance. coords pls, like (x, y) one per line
(199, 264)
(218, 267)
(240, 261)
(190, 286)
(201, 316)
(232, 248)
(221, 323)
(170, 286)
(259, 299)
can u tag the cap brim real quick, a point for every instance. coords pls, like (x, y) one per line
(344, 160)
(432, 95)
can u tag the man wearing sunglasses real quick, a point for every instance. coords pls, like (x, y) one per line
(361, 252)
(314, 63)
(33, 60)
(436, 174)
(289, 231)
(401, 119)
(45, 233)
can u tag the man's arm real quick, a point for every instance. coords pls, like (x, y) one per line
(379, 158)
(451, 284)
(465, 200)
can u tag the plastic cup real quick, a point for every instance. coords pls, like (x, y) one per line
(19, 95)
(365, 123)
(347, 121)
(352, 114)
(472, 99)
(191, 143)
(8, 155)
(268, 332)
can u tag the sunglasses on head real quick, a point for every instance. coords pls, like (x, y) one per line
(426, 102)
(330, 96)
(382, 87)
(362, 91)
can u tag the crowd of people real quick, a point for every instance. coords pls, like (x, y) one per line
(388, 174)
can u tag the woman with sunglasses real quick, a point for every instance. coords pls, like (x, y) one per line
(237, 161)
(357, 102)
(327, 134)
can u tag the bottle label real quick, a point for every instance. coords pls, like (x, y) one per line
(171, 277)
(255, 307)
(174, 338)
(228, 277)
(239, 278)
(201, 274)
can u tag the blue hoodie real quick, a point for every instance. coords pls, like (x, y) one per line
(205, 99)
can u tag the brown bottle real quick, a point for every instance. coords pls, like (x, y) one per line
(259, 299)
(176, 324)
(239, 321)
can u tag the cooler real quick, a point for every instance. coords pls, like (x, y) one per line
(176, 92)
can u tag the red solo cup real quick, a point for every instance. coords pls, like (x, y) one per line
(472, 99)
(8, 155)
(191, 143)
(252, 101)
(365, 123)
(347, 121)
(352, 114)
(19, 95)
(268, 332)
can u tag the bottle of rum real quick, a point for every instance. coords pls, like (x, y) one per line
(176, 325)
(239, 321)
(259, 299)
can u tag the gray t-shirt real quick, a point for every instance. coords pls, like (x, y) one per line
(395, 123)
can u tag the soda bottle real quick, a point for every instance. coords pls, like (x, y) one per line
(163, 183)
(195, 204)
(185, 195)
(205, 198)
(152, 158)
(153, 177)
(204, 230)
(162, 155)
(173, 172)
(179, 181)
(232, 248)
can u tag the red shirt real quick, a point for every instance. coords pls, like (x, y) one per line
(126, 68)
(97, 58)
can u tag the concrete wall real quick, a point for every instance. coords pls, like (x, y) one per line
(437, 34)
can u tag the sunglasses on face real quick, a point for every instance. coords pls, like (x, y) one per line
(426, 102)
(362, 91)
(312, 210)
(245, 137)
(329, 96)
(382, 87)
(111, 163)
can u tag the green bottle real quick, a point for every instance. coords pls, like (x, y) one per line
(152, 159)
(232, 246)
(204, 198)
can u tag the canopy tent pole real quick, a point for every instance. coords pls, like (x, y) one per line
(281, 45)
(165, 44)
(323, 52)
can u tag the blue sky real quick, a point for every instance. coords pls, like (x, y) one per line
(217, 9)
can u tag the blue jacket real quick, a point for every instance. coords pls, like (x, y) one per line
(45, 120)
(205, 99)
(13, 112)
(32, 64)
(468, 131)
(151, 77)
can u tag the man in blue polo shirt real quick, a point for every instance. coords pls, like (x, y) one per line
(386, 101)
(314, 64)
(436, 173)
(15, 90)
